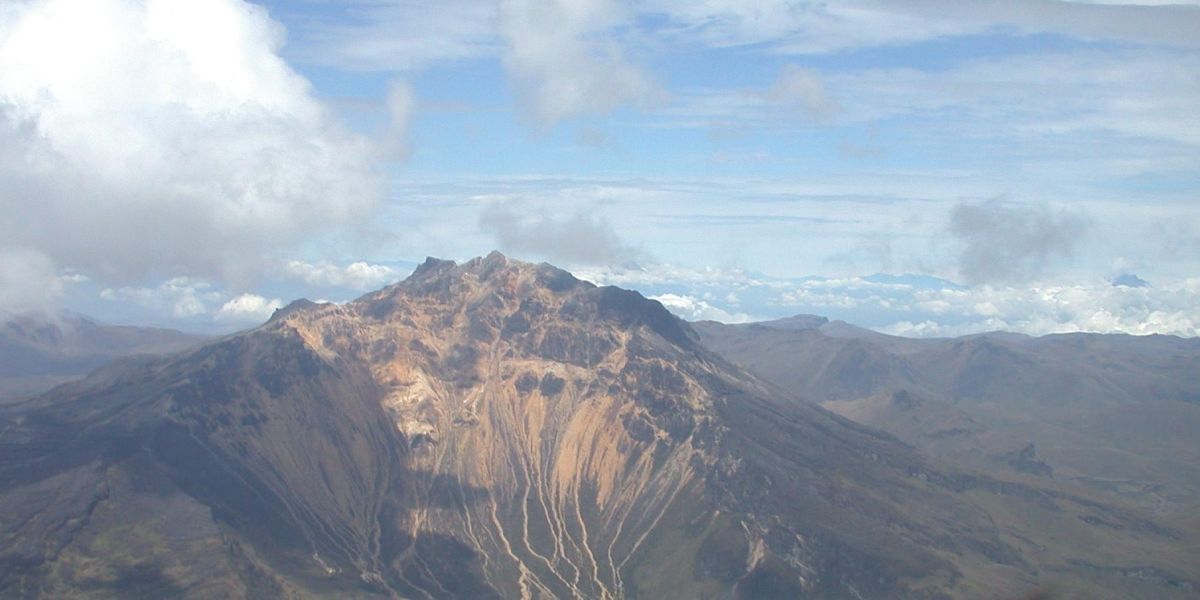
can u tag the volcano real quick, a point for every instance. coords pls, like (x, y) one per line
(496, 429)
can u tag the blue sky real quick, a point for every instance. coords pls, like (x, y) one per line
(195, 164)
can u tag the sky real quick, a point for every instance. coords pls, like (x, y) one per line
(923, 168)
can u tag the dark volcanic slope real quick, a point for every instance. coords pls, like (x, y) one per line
(1115, 414)
(38, 353)
(500, 429)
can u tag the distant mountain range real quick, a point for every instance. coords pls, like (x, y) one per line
(498, 429)
(1116, 414)
(37, 352)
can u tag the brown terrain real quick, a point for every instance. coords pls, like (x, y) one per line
(499, 429)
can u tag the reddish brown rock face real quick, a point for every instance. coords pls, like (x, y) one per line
(491, 429)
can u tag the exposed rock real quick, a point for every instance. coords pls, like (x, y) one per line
(1026, 461)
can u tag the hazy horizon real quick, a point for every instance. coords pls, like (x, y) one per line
(931, 169)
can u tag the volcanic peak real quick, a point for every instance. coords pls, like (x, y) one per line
(487, 429)
(496, 284)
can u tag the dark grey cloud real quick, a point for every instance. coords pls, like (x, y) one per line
(1005, 242)
(1129, 280)
(581, 238)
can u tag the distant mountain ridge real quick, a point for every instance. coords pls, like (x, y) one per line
(1117, 413)
(774, 347)
(38, 352)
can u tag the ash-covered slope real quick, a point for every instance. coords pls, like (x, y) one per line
(491, 429)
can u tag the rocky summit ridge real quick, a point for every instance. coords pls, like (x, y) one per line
(487, 429)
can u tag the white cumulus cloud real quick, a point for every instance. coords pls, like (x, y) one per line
(248, 308)
(158, 138)
(694, 309)
(1035, 309)
(182, 297)
(358, 275)
(27, 282)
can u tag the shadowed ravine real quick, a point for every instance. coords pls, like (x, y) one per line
(495, 429)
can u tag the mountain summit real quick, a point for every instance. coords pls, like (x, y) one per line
(487, 429)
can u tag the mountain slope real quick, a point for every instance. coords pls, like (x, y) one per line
(501, 429)
(1115, 414)
(38, 353)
